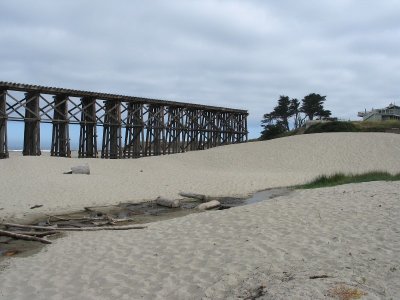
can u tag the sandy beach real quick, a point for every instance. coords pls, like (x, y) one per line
(234, 170)
(346, 236)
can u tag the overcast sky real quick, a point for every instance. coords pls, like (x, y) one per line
(239, 54)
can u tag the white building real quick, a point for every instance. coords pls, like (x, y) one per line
(392, 112)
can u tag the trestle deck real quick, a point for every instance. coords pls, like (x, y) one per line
(132, 126)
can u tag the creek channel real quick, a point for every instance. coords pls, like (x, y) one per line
(126, 214)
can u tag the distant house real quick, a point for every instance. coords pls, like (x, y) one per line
(392, 112)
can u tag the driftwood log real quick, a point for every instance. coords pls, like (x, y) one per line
(83, 169)
(200, 197)
(173, 203)
(37, 233)
(209, 205)
(30, 226)
(124, 227)
(49, 228)
(23, 237)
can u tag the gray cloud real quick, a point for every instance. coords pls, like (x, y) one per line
(240, 54)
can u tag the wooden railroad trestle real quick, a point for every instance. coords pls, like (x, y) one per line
(132, 127)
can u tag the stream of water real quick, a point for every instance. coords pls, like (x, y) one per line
(128, 213)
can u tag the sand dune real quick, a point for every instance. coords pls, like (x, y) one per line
(228, 170)
(271, 249)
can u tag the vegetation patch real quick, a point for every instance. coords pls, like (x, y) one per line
(334, 126)
(340, 178)
(343, 292)
(377, 126)
(291, 114)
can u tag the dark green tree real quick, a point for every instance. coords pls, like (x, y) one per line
(313, 106)
(278, 121)
(272, 131)
(291, 113)
(296, 113)
(282, 112)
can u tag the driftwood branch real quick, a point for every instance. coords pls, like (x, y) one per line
(194, 196)
(89, 219)
(124, 227)
(95, 208)
(173, 203)
(36, 233)
(23, 237)
(64, 219)
(320, 276)
(30, 226)
(209, 205)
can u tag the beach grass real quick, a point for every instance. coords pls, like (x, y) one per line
(340, 178)
(376, 126)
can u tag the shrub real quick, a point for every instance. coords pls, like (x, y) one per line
(272, 131)
(335, 126)
(377, 126)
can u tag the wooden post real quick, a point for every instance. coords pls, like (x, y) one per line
(88, 135)
(173, 130)
(155, 134)
(111, 146)
(185, 129)
(170, 130)
(60, 144)
(223, 128)
(190, 133)
(195, 129)
(242, 130)
(235, 128)
(210, 128)
(229, 128)
(245, 129)
(3, 125)
(202, 121)
(32, 125)
(219, 128)
(200, 130)
(134, 131)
